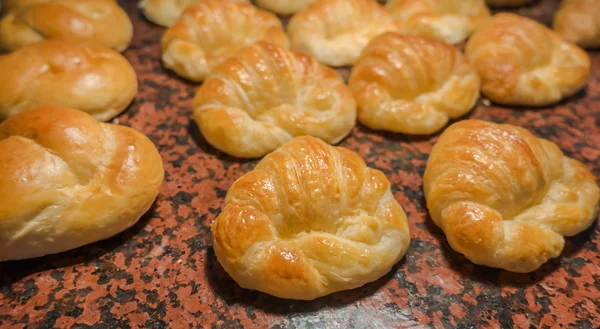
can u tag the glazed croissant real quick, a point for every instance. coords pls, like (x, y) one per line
(412, 85)
(509, 3)
(578, 21)
(505, 198)
(214, 30)
(521, 62)
(284, 7)
(67, 180)
(167, 12)
(450, 21)
(336, 31)
(98, 21)
(309, 220)
(265, 96)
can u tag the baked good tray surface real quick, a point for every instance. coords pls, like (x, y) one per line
(163, 272)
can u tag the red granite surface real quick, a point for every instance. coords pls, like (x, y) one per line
(163, 272)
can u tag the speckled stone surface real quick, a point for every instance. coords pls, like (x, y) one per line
(163, 272)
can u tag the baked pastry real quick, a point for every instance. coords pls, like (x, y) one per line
(310, 220)
(450, 21)
(336, 31)
(212, 31)
(167, 12)
(87, 77)
(67, 180)
(266, 95)
(284, 7)
(411, 84)
(7, 6)
(505, 198)
(578, 21)
(522, 62)
(509, 3)
(99, 21)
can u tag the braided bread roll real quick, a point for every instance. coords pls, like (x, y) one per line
(265, 96)
(214, 30)
(284, 7)
(505, 198)
(101, 22)
(521, 62)
(310, 220)
(87, 77)
(578, 21)
(67, 180)
(450, 21)
(336, 31)
(412, 85)
(167, 12)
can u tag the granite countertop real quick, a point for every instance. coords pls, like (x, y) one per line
(163, 272)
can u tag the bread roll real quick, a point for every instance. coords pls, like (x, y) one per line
(505, 198)
(214, 30)
(509, 3)
(101, 22)
(87, 77)
(522, 62)
(284, 7)
(578, 21)
(411, 84)
(167, 12)
(67, 180)
(310, 220)
(265, 96)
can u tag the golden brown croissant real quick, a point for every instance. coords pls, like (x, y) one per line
(310, 220)
(87, 77)
(214, 30)
(284, 7)
(336, 31)
(167, 12)
(411, 84)
(266, 95)
(99, 21)
(67, 180)
(509, 3)
(521, 62)
(505, 198)
(450, 21)
(578, 21)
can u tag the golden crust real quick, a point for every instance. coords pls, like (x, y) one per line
(578, 21)
(412, 85)
(266, 95)
(101, 22)
(450, 21)
(284, 7)
(309, 220)
(509, 3)
(67, 180)
(167, 12)
(90, 78)
(521, 62)
(336, 31)
(214, 30)
(505, 198)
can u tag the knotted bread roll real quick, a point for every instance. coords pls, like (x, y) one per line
(210, 32)
(411, 84)
(167, 12)
(336, 31)
(505, 198)
(578, 21)
(101, 22)
(522, 62)
(310, 220)
(284, 7)
(87, 77)
(450, 21)
(509, 3)
(67, 180)
(265, 96)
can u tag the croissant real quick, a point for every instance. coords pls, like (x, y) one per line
(99, 21)
(411, 84)
(310, 220)
(284, 7)
(505, 198)
(265, 96)
(509, 3)
(87, 77)
(67, 180)
(336, 31)
(521, 62)
(167, 12)
(214, 30)
(450, 21)
(578, 21)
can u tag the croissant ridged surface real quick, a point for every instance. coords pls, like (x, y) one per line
(167, 12)
(578, 21)
(284, 7)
